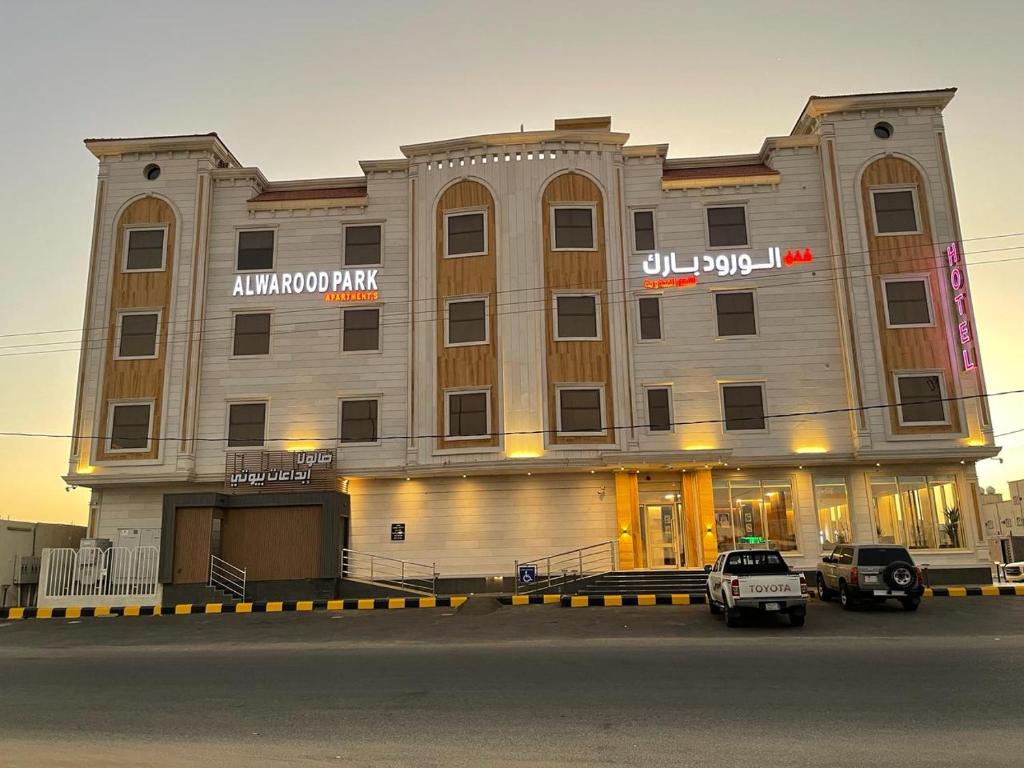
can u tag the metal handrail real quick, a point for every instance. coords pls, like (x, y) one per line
(227, 577)
(388, 571)
(574, 564)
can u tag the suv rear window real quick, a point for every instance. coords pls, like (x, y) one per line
(882, 555)
(746, 563)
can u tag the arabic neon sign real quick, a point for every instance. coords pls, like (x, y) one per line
(665, 269)
(965, 333)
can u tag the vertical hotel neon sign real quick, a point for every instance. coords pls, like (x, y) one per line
(964, 330)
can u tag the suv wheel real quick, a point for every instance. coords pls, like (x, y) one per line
(712, 605)
(899, 576)
(910, 603)
(824, 593)
(846, 597)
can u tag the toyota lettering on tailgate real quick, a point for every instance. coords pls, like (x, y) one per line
(771, 588)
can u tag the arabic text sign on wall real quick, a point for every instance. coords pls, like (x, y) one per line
(665, 268)
(266, 471)
(964, 333)
(338, 285)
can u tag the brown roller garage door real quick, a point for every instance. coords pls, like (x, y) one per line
(273, 543)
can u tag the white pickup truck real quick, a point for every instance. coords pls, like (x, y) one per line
(750, 580)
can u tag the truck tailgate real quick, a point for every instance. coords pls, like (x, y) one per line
(767, 587)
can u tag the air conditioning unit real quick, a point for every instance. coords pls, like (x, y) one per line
(91, 557)
(26, 570)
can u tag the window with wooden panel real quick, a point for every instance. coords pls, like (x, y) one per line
(145, 250)
(727, 226)
(255, 250)
(743, 407)
(580, 410)
(650, 317)
(359, 421)
(465, 234)
(921, 399)
(137, 334)
(361, 330)
(643, 231)
(252, 334)
(468, 414)
(466, 322)
(247, 424)
(895, 212)
(573, 228)
(659, 409)
(734, 312)
(907, 302)
(576, 317)
(129, 426)
(362, 245)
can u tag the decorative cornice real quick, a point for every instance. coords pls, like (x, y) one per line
(196, 142)
(517, 138)
(817, 106)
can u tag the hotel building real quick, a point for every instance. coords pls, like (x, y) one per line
(501, 346)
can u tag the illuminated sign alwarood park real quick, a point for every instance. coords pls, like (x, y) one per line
(338, 285)
(667, 266)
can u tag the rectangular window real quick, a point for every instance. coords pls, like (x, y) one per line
(573, 229)
(252, 334)
(145, 250)
(650, 318)
(906, 302)
(466, 322)
(743, 406)
(138, 334)
(466, 234)
(917, 511)
(576, 317)
(362, 245)
(833, 505)
(579, 410)
(361, 331)
(129, 427)
(247, 423)
(659, 409)
(755, 514)
(727, 226)
(643, 231)
(468, 415)
(255, 249)
(358, 421)
(920, 399)
(735, 313)
(895, 212)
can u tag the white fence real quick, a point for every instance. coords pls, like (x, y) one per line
(91, 576)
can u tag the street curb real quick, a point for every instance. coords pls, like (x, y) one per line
(271, 606)
(618, 601)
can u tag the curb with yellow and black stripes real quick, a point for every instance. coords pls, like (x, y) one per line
(184, 609)
(618, 601)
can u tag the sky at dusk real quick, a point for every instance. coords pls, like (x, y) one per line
(308, 89)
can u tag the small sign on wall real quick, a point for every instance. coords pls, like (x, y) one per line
(398, 531)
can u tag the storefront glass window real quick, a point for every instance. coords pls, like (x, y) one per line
(833, 505)
(918, 512)
(754, 513)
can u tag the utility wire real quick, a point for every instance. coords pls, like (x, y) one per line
(330, 323)
(789, 415)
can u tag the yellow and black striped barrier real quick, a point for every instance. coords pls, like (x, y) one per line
(271, 606)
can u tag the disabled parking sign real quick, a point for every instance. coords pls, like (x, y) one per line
(527, 574)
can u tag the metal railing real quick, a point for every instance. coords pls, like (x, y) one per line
(563, 568)
(389, 571)
(227, 577)
(95, 572)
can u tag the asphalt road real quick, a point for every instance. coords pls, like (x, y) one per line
(535, 686)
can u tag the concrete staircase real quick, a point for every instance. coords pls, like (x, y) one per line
(646, 583)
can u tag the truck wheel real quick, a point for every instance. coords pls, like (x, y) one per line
(797, 619)
(846, 598)
(910, 603)
(732, 617)
(824, 593)
(712, 605)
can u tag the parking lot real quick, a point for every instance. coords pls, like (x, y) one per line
(524, 686)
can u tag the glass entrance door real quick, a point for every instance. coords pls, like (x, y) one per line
(662, 534)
